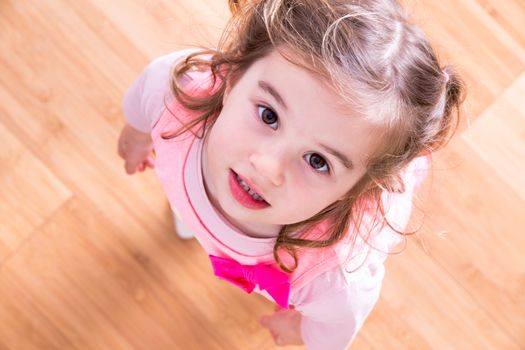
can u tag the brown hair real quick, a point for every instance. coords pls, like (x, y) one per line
(372, 57)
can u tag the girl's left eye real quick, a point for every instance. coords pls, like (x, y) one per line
(267, 115)
(317, 162)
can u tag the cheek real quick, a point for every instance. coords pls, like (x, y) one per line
(314, 198)
(301, 194)
(302, 204)
(229, 136)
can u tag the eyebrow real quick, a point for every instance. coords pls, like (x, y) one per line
(344, 159)
(267, 87)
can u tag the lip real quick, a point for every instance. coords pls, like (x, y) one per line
(241, 195)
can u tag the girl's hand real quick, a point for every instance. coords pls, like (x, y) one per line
(135, 147)
(285, 326)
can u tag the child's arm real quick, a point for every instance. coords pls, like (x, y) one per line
(143, 104)
(330, 310)
(135, 148)
(284, 326)
(336, 304)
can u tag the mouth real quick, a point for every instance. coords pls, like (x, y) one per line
(246, 196)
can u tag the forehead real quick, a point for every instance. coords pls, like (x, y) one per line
(313, 110)
(302, 88)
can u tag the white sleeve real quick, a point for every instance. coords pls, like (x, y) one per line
(336, 304)
(144, 101)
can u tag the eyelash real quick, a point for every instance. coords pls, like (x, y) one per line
(261, 108)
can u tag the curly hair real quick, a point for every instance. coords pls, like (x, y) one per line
(375, 60)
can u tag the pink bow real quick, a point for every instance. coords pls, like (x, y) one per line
(269, 278)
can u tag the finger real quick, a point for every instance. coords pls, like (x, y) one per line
(264, 321)
(130, 168)
(133, 162)
(141, 167)
(120, 150)
(279, 340)
(121, 147)
(150, 162)
(274, 335)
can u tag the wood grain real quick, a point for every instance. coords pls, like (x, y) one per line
(88, 256)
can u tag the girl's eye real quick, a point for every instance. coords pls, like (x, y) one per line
(317, 162)
(267, 116)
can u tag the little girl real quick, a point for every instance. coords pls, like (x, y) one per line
(292, 151)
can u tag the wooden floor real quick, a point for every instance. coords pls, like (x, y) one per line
(88, 257)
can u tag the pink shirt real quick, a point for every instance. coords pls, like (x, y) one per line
(333, 302)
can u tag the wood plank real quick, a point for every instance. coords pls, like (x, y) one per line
(105, 270)
(509, 15)
(466, 35)
(24, 327)
(470, 230)
(24, 179)
(41, 270)
(69, 128)
(444, 310)
(386, 329)
(160, 27)
(105, 290)
(497, 136)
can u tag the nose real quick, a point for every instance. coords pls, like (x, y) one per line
(269, 165)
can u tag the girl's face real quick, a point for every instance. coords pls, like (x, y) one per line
(282, 131)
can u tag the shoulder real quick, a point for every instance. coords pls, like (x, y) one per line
(157, 74)
(146, 98)
(355, 278)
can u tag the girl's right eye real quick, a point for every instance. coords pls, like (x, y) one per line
(267, 116)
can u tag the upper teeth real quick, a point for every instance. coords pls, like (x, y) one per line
(247, 188)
